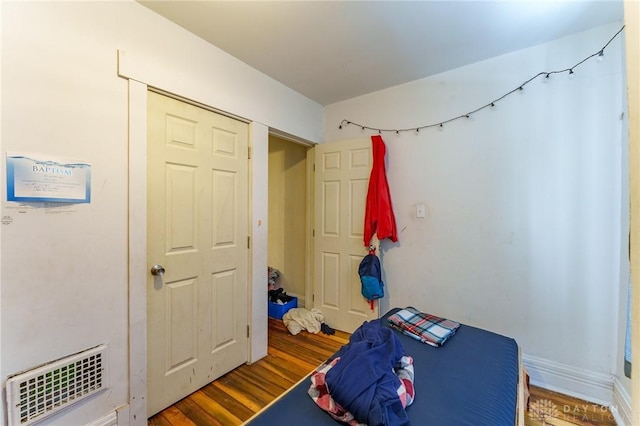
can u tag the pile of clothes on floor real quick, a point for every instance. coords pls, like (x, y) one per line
(279, 296)
(295, 319)
(298, 319)
(276, 293)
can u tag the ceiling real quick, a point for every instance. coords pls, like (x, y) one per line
(330, 51)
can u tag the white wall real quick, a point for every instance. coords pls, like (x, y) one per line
(64, 276)
(65, 279)
(523, 227)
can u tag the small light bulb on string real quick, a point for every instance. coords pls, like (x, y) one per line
(572, 75)
(546, 78)
(441, 127)
(600, 56)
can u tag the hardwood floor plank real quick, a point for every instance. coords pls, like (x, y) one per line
(296, 366)
(250, 396)
(214, 408)
(244, 401)
(269, 373)
(195, 413)
(264, 382)
(240, 411)
(239, 394)
(272, 366)
(566, 410)
(308, 344)
(170, 417)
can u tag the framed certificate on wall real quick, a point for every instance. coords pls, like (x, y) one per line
(47, 180)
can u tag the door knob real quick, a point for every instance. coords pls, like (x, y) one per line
(157, 270)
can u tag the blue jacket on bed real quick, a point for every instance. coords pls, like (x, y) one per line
(363, 381)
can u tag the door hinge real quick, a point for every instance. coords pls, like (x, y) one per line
(314, 167)
(248, 332)
(249, 152)
(313, 232)
(249, 242)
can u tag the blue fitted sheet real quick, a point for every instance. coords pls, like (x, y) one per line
(470, 381)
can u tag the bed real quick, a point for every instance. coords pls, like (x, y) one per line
(474, 379)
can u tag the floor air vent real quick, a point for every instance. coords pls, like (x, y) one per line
(36, 394)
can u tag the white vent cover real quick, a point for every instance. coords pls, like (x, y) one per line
(35, 394)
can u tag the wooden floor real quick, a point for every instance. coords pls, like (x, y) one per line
(236, 396)
(565, 410)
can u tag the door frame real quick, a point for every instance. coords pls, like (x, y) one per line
(310, 202)
(136, 411)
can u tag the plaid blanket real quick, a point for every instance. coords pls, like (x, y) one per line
(319, 392)
(426, 328)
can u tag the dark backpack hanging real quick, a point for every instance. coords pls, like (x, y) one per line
(371, 277)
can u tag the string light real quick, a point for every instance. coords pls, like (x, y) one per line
(492, 104)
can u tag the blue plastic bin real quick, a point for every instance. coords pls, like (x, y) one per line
(277, 311)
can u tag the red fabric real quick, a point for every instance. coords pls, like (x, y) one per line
(378, 217)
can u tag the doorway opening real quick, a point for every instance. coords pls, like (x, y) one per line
(288, 216)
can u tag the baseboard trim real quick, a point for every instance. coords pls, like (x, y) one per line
(621, 407)
(110, 419)
(576, 382)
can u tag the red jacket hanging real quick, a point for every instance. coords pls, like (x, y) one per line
(378, 215)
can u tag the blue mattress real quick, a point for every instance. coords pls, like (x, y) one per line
(471, 380)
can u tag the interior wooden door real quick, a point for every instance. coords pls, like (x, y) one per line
(342, 172)
(197, 206)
